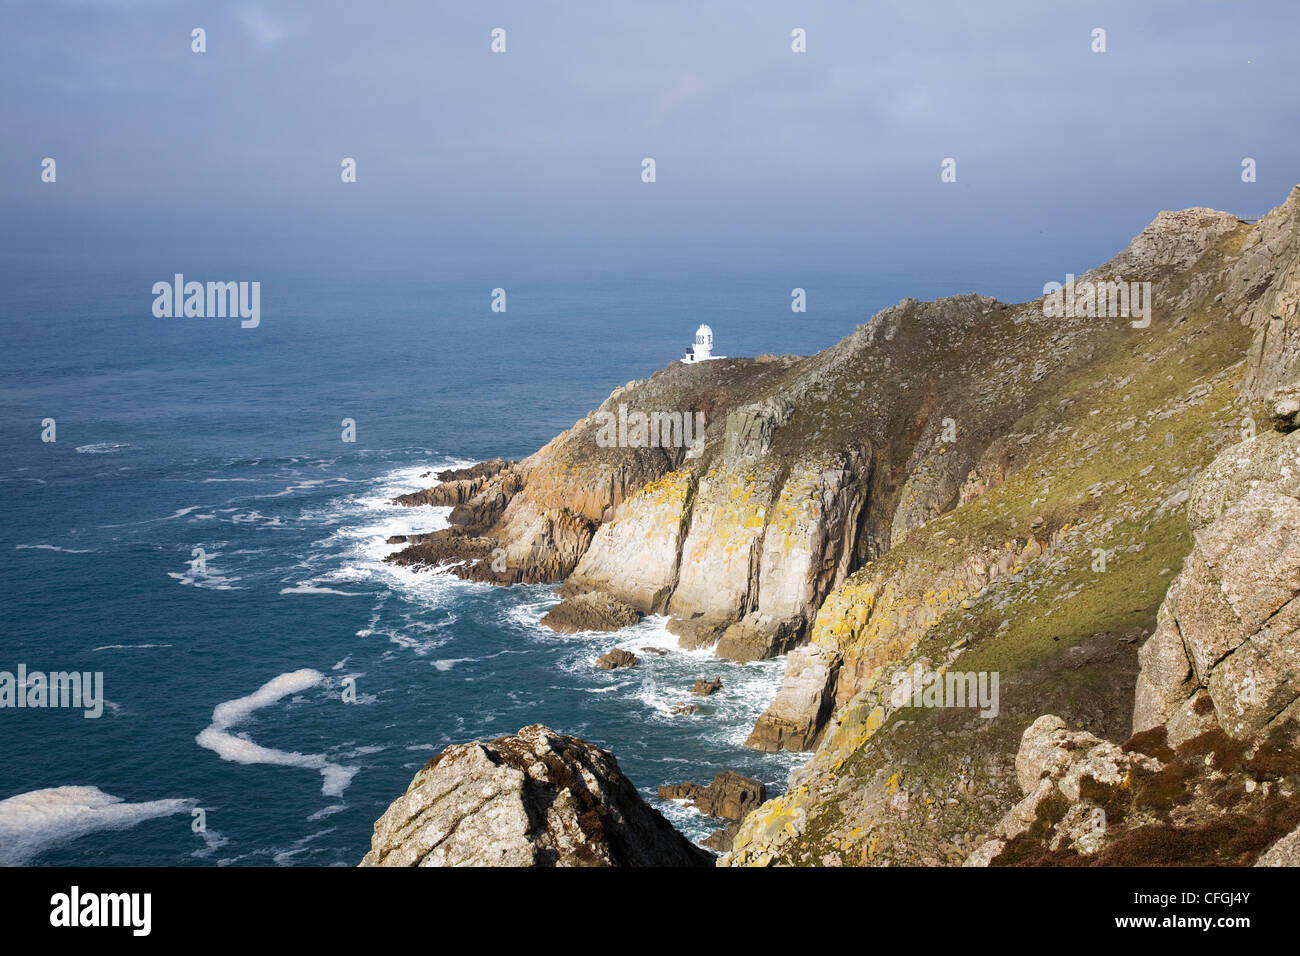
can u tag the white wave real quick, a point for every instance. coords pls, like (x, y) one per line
(255, 517)
(212, 841)
(217, 738)
(356, 549)
(448, 663)
(365, 750)
(102, 448)
(313, 589)
(128, 647)
(52, 547)
(285, 857)
(307, 484)
(327, 811)
(32, 823)
(205, 575)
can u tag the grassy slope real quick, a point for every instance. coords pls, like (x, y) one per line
(1114, 441)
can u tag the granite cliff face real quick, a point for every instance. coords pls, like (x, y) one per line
(961, 486)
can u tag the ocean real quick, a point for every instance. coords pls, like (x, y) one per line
(201, 535)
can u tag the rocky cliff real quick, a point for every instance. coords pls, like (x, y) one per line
(960, 487)
(1120, 558)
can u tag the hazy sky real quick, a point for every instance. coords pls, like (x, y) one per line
(829, 158)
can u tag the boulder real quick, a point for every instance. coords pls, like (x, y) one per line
(722, 840)
(696, 631)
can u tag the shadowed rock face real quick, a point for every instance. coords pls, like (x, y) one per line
(537, 798)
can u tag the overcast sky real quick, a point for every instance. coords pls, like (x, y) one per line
(831, 157)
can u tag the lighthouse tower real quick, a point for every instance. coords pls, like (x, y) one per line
(702, 350)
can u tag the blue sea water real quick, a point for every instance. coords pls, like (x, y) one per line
(183, 434)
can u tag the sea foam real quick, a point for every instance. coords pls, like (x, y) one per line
(33, 822)
(217, 737)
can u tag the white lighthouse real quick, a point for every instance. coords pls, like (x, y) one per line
(702, 350)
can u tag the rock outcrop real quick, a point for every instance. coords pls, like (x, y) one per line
(1212, 772)
(616, 658)
(797, 715)
(1211, 801)
(1267, 278)
(730, 796)
(595, 611)
(1229, 630)
(537, 798)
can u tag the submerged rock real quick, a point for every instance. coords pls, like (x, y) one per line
(538, 798)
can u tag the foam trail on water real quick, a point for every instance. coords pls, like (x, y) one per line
(217, 737)
(33, 822)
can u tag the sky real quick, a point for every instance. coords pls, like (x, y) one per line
(532, 158)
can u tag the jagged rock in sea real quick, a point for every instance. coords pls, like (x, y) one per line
(594, 611)
(616, 658)
(758, 636)
(705, 688)
(730, 796)
(797, 715)
(456, 485)
(538, 798)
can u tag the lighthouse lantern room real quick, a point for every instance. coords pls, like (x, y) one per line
(702, 350)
